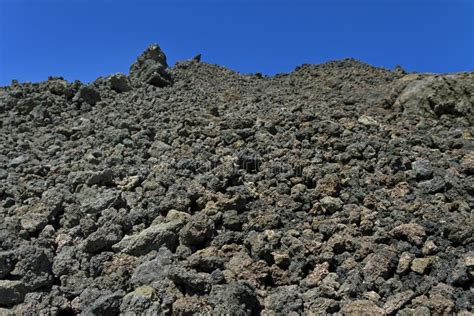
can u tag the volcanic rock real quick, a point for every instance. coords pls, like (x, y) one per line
(151, 67)
(119, 82)
(338, 188)
(88, 94)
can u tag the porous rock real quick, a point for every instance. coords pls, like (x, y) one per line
(151, 67)
(338, 188)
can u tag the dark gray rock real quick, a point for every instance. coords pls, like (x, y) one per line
(141, 301)
(106, 305)
(397, 301)
(7, 261)
(206, 260)
(102, 178)
(15, 162)
(432, 186)
(88, 94)
(152, 238)
(193, 282)
(379, 264)
(158, 148)
(119, 82)
(197, 231)
(156, 269)
(460, 275)
(151, 67)
(436, 94)
(422, 265)
(423, 169)
(234, 299)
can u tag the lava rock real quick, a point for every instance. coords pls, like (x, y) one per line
(7, 260)
(18, 161)
(338, 188)
(11, 292)
(139, 301)
(234, 298)
(88, 94)
(397, 301)
(412, 232)
(423, 169)
(106, 304)
(284, 300)
(151, 67)
(421, 265)
(152, 238)
(197, 231)
(331, 204)
(378, 265)
(432, 186)
(119, 82)
(362, 307)
(103, 238)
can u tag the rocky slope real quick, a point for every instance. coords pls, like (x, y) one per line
(335, 189)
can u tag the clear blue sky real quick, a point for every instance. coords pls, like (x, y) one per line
(81, 39)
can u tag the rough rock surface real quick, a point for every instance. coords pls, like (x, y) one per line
(338, 188)
(151, 67)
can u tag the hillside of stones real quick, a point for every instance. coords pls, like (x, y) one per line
(338, 188)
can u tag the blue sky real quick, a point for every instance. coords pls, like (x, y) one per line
(80, 39)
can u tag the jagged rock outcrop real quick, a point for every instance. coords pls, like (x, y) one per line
(151, 67)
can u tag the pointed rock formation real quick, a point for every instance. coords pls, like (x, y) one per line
(151, 67)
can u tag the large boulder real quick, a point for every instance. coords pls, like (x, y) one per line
(151, 67)
(437, 94)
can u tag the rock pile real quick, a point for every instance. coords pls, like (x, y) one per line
(338, 188)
